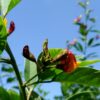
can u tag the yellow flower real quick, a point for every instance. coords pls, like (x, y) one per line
(5, 21)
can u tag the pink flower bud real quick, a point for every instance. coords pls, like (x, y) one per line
(78, 19)
(73, 42)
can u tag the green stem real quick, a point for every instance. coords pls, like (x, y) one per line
(52, 80)
(30, 79)
(38, 82)
(85, 43)
(85, 46)
(15, 67)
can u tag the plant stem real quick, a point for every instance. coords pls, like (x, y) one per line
(30, 79)
(85, 43)
(15, 67)
(38, 82)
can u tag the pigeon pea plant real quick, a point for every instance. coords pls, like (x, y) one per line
(88, 39)
(52, 65)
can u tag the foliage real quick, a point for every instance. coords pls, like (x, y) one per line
(52, 65)
(85, 42)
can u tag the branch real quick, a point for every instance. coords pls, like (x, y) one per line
(38, 83)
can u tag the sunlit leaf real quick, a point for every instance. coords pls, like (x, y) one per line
(54, 52)
(30, 70)
(86, 63)
(7, 5)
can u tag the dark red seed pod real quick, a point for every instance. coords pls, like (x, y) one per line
(27, 54)
(11, 28)
(26, 51)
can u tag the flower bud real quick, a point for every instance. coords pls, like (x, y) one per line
(67, 61)
(73, 42)
(78, 19)
(11, 28)
(27, 54)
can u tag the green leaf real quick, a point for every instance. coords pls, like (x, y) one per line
(88, 94)
(90, 41)
(52, 72)
(82, 4)
(93, 54)
(84, 76)
(78, 46)
(92, 20)
(7, 5)
(48, 73)
(3, 94)
(95, 45)
(65, 87)
(83, 29)
(7, 69)
(88, 62)
(10, 79)
(96, 31)
(3, 35)
(54, 52)
(30, 70)
(13, 95)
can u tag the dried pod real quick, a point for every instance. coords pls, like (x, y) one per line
(11, 28)
(27, 54)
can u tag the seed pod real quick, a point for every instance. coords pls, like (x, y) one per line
(11, 28)
(27, 54)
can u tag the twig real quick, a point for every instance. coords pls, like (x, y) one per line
(30, 79)
(39, 82)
